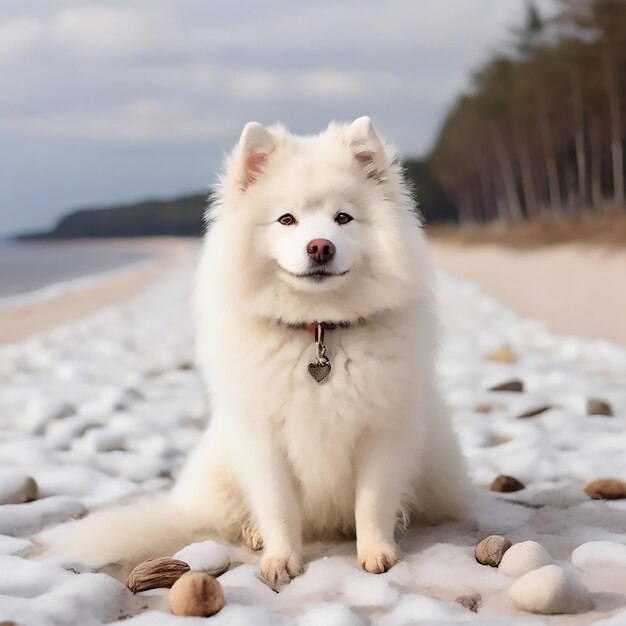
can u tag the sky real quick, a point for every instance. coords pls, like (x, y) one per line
(122, 100)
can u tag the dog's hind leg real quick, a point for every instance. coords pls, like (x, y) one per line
(251, 536)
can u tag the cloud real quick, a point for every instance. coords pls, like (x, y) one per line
(18, 36)
(158, 75)
(110, 32)
(138, 121)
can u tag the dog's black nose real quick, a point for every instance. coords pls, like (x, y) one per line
(321, 250)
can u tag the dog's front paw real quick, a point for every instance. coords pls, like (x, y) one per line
(278, 570)
(378, 558)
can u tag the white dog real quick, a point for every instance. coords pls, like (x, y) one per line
(316, 338)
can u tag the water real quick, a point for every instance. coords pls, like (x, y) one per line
(29, 266)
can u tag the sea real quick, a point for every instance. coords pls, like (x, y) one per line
(30, 267)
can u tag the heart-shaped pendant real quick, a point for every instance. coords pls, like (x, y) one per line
(319, 371)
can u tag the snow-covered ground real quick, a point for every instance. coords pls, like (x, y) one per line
(97, 411)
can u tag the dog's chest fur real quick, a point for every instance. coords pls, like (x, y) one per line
(372, 386)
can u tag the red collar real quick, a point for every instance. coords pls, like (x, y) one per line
(311, 327)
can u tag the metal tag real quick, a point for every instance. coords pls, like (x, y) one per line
(320, 368)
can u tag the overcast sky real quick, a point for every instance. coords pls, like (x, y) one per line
(120, 100)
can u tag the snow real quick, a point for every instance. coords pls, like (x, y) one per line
(96, 412)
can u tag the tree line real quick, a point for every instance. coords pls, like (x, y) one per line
(541, 131)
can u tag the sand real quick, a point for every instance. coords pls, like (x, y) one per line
(22, 321)
(576, 289)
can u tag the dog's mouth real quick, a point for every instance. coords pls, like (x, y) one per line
(317, 276)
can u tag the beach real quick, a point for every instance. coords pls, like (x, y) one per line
(573, 288)
(106, 406)
(107, 272)
(576, 289)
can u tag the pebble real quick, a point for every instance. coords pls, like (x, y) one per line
(595, 406)
(503, 354)
(209, 557)
(16, 487)
(506, 484)
(491, 550)
(471, 603)
(600, 553)
(534, 412)
(606, 489)
(550, 590)
(196, 594)
(484, 407)
(524, 557)
(511, 385)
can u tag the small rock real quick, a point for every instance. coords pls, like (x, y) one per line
(156, 573)
(209, 557)
(196, 594)
(534, 412)
(503, 354)
(511, 385)
(491, 549)
(524, 557)
(606, 489)
(484, 407)
(596, 406)
(506, 484)
(471, 603)
(550, 590)
(599, 553)
(16, 487)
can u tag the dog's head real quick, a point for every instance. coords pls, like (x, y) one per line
(319, 227)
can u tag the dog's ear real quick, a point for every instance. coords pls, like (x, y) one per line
(255, 145)
(366, 147)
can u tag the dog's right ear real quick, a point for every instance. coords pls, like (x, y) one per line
(255, 145)
(366, 147)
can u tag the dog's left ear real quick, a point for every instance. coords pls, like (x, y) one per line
(366, 146)
(255, 144)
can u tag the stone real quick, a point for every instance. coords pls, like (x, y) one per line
(524, 557)
(606, 489)
(196, 594)
(506, 484)
(209, 556)
(504, 354)
(471, 602)
(595, 406)
(534, 412)
(511, 385)
(550, 590)
(491, 550)
(16, 487)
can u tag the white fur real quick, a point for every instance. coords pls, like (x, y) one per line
(285, 459)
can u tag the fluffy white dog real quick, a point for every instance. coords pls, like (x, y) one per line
(316, 337)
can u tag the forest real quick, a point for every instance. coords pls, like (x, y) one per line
(541, 130)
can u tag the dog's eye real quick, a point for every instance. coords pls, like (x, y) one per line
(343, 218)
(287, 219)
